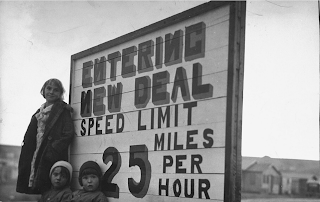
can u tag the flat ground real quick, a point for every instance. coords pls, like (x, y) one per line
(280, 200)
(246, 197)
(8, 193)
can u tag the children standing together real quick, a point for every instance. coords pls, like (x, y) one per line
(43, 167)
(89, 179)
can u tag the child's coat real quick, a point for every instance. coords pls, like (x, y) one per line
(56, 195)
(84, 196)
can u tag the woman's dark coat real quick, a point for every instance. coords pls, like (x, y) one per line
(58, 134)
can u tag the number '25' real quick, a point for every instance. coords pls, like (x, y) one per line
(138, 157)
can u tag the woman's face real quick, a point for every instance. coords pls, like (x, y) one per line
(52, 93)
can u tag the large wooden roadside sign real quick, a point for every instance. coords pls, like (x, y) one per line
(159, 109)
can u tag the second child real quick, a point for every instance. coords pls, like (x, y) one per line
(89, 178)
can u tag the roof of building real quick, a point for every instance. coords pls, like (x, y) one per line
(285, 165)
(261, 167)
(296, 175)
(258, 167)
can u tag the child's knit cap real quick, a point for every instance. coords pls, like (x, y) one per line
(62, 164)
(89, 167)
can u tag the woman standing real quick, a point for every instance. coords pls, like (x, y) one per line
(46, 140)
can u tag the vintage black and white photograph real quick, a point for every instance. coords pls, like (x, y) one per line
(106, 101)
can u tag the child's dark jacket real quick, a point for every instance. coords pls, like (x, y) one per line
(58, 134)
(84, 196)
(56, 195)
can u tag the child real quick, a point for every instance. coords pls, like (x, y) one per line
(46, 140)
(60, 176)
(89, 179)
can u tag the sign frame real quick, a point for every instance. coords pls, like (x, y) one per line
(232, 177)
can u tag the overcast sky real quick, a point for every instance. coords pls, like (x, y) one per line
(281, 79)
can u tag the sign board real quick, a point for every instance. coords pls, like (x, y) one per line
(159, 109)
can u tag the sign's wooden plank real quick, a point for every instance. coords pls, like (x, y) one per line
(177, 161)
(206, 135)
(170, 116)
(173, 186)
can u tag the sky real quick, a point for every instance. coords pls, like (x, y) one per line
(281, 76)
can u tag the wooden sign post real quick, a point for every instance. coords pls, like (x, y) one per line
(160, 109)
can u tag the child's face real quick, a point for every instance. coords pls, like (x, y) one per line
(90, 182)
(58, 180)
(52, 93)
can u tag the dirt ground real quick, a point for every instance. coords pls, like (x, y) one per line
(8, 193)
(246, 197)
(280, 200)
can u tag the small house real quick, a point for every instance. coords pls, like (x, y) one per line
(261, 178)
(295, 183)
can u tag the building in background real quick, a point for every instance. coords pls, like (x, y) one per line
(278, 176)
(261, 178)
(295, 183)
(9, 159)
